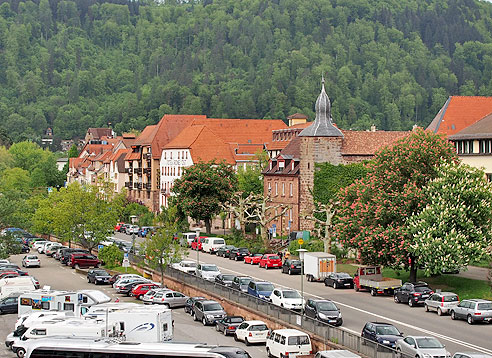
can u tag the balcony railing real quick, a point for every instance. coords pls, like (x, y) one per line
(128, 184)
(147, 156)
(148, 186)
(147, 171)
(128, 170)
(137, 170)
(137, 185)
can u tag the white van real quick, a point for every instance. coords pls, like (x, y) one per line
(212, 244)
(188, 238)
(283, 342)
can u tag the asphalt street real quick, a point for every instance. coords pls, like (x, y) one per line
(360, 307)
(61, 277)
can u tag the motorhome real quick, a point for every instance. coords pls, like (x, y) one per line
(13, 285)
(47, 300)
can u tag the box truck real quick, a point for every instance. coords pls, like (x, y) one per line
(318, 265)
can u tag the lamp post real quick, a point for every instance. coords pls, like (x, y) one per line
(133, 243)
(197, 233)
(301, 257)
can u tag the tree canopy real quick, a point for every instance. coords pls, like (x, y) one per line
(69, 65)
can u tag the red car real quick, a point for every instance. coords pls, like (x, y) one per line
(8, 274)
(139, 290)
(253, 259)
(79, 260)
(118, 226)
(270, 260)
(198, 242)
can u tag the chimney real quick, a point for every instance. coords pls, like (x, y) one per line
(373, 128)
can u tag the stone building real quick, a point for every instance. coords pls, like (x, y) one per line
(289, 179)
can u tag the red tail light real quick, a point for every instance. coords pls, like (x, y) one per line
(291, 266)
(477, 313)
(250, 334)
(416, 294)
(231, 328)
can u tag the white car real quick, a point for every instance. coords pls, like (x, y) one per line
(287, 298)
(185, 266)
(251, 332)
(31, 260)
(124, 277)
(39, 244)
(132, 229)
(423, 347)
(207, 271)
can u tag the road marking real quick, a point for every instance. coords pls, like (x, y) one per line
(423, 330)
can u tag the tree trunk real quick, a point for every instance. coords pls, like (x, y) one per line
(413, 270)
(208, 226)
(162, 275)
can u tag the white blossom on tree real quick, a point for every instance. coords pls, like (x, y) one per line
(455, 227)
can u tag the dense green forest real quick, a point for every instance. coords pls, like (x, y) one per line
(70, 65)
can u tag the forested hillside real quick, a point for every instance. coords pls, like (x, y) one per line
(70, 65)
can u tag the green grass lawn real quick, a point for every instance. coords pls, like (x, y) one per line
(126, 270)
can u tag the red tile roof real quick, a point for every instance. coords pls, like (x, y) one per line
(368, 143)
(147, 136)
(479, 130)
(133, 156)
(460, 112)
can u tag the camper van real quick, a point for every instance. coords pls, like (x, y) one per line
(9, 286)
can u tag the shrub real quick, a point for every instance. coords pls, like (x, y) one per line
(111, 256)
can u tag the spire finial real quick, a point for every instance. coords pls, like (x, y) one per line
(323, 80)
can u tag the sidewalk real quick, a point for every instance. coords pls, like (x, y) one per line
(475, 273)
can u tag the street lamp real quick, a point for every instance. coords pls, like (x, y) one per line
(197, 233)
(301, 257)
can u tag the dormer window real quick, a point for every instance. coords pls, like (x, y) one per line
(281, 164)
(292, 165)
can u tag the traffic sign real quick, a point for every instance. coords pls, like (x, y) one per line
(300, 241)
(125, 263)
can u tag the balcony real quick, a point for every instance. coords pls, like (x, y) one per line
(148, 186)
(147, 171)
(137, 185)
(147, 156)
(128, 170)
(137, 171)
(128, 184)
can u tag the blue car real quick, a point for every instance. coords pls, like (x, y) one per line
(260, 289)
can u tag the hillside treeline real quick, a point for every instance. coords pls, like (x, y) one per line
(71, 65)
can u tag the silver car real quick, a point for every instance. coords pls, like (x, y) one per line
(170, 299)
(148, 298)
(473, 310)
(441, 302)
(471, 355)
(421, 347)
(207, 271)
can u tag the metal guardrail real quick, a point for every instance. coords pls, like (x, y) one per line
(328, 332)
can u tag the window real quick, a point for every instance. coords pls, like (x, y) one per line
(485, 146)
(179, 155)
(68, 307)
(290, 214)
(276, 188)
(282, 340)
(283, 189)
(489, 177)
(171, 155)
(39, 332)
(269, 187)
(45, 305)
(291, 190)
(164, 155)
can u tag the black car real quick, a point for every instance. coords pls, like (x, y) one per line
(126, 289)
(324, 311)
(413, 293)
(382, 333)
(228, 324)
(241, 283)
(98, 276)
(292, 267)
(238, 253)
(230, 352)
(224, 250)
(190, 302)
(9, 304)
(339, 280)
(225, 279)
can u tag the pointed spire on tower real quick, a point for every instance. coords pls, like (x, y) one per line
(323, 124)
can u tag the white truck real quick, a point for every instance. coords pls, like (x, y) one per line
(12, 285)
(318, 265)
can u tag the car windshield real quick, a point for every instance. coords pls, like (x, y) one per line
(274, 257)
(212, 307)
(343, 275)
(209, 268)
(291, 294)
(218, 242)
(244, 281)
(298, 340)
(257, 255)
(295, 262)
(236, 319)
(188, 264)
(243, 249)
(100, 272)
(451, 298)
(327, 306)
(387, 330)
(485, 306)
(228, 277)
(258, 327)
(32, 257)
(264, 287)
(428, 342)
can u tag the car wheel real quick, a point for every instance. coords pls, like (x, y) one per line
(195, 318)
(225, 332)
(335, 285)
(398, 352)
(427, 308)
(396, 299)
(251, 262)
(290, 272)
(21, 352)
(266, 267)
(235, 338)
(439, 312)
(97, 266)
(235, 258)
(269, 354)
(89, 280)
(204, 321)
(469, 319)
(411, 303)
(77, 266)
(217, 328)
(453, 315)
(246, 342)
(374, 292)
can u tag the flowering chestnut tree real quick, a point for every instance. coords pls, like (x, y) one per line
(373, 212)
(203, 188)
(454, 227)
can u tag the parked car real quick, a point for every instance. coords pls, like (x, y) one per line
(126, 289)
(213, 244)
(197, 243)
(30, 261)
(148, 298)
(413, 293)
(141, 289)
(253, 259)
(14, 268)
(336, 353)
(8, 274)
(170, 299)
(339, 280)
(9, 304)
(471, 355)
(292, 267)
(473, 310)
(119, 276)
(324, 311)
(124, 227)
(260, 289)
(223, 251)
(288, 342)
(208, 312)
(287, 298)
(126, 280)
(230, 352)
(207, 271)
(238, 253)
(441, 302)
(98, 276)
(188, 308)
(132, 229)
(383, 333)
(144, 231)
(224, 279)
(228, 324)
(270, 261)
(118, 227)
(419, 346)
(80, 260)
(251, 332)
(37, 244)
(51, 249)
(185, 266)
(67, 253)
(241, 283)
